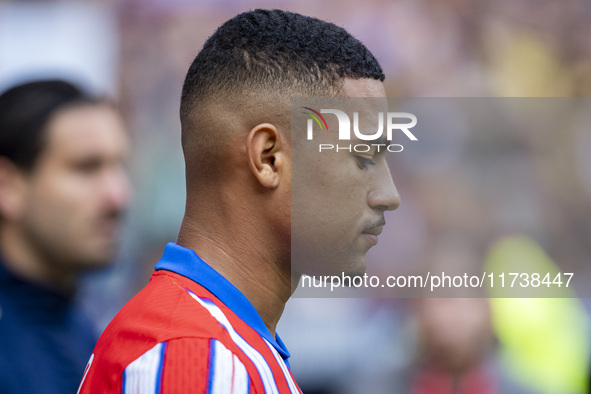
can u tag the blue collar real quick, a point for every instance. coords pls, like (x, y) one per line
(185, 262)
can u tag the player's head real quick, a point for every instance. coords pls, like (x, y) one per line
(236, 109)
(251, 67)
(63, 183)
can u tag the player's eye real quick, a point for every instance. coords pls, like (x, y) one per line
(365, 162)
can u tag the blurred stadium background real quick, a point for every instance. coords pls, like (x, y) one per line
(138, 51)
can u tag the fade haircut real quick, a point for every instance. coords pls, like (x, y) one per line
(25, 111)
(270, 53)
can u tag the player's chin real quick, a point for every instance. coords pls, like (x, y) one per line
(356, 267)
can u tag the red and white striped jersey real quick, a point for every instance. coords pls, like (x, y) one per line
(188, 331)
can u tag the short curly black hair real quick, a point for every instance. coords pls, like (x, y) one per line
(275, 50)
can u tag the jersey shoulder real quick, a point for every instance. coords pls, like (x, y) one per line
(176, 335)
(162, 311)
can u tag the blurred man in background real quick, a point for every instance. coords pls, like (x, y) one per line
(63, 189)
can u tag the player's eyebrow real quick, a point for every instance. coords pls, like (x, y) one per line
(382, 141)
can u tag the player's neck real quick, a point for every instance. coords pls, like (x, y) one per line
(253, 267)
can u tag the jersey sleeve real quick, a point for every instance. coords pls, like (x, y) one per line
(187, 365)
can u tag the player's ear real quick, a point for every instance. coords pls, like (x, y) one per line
(12, 190)
(266, 154)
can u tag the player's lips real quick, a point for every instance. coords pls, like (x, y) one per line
(372, 232)
(377, 230)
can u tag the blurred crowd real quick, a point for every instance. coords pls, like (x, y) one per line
(464, 192)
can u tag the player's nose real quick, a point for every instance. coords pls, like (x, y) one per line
(384, 195)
